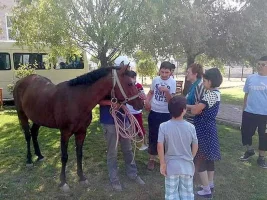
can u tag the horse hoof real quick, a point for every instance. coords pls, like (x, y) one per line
(84, 183)
(65, 188)
(29, 164)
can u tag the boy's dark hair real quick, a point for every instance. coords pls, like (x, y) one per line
(132, 74)
(173, 66)
(176, 105)
(197, 69)
(214, 76)
(166, 65)
(264, 58)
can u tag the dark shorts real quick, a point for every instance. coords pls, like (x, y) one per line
(154, 120)
(250, 122)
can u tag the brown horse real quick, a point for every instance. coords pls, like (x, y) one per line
(68, 107)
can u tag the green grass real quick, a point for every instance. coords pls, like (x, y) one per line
(234, 179)
(233, 95)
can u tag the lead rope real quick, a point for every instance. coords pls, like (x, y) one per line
(126, 124)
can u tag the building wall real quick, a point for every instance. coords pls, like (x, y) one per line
(5, 10)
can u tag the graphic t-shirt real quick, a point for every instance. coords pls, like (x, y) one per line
(256, 87)
(159, 101)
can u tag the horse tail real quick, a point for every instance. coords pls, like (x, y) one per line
(17, 95)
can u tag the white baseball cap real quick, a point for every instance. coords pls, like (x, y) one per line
(121, 59)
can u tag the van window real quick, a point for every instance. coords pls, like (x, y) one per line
(5, 61)
(30, 59)
(75, 62)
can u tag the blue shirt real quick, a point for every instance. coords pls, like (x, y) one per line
(105, 116)
(256, 87)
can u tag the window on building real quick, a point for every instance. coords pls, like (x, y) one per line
(5, 61)
(30, 59)
(9, 27)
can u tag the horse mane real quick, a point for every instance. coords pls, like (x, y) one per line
(91, 77)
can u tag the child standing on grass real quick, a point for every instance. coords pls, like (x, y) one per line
(138, 113)
(177, 146)
(162, 90)
(205, 123)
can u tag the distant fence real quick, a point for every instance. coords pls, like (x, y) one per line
(236, 72)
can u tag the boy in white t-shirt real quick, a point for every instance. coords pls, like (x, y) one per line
(161, 91)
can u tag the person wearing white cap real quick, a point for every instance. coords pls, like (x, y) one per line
(109, 129)
(121, 59)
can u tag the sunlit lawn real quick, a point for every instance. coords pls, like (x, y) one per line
(233, 95)
(234, 180)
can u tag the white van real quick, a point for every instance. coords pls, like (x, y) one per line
(12, 56)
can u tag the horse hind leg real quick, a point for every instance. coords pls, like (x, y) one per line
(65, 135)
(34, 133)
(26, 129)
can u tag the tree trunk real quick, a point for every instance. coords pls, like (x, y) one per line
(187, 84)
(242, 74)
(229, 73)
(102, 56)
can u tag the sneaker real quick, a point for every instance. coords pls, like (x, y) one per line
(116, 185)
(204, 194)
(212, 189)
(143, 147)
(261, 163)
(247, 154)
(151, 164)
(138, 180)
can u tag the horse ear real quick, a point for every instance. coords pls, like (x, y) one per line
(123, 68)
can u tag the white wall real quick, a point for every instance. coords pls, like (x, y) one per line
(8, 5)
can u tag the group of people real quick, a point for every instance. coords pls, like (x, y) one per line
(182, 130)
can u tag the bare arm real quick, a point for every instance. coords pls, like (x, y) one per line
(194, 149)
(160, 148)
(148, 100)
(245, 101)
(168, 96)
(197, 109)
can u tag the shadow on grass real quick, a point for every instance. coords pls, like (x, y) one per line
(231, 99)
(234, 179)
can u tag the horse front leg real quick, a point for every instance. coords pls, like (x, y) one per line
(64, 159)
(79, 140)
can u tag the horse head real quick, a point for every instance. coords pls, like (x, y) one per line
(124, 89)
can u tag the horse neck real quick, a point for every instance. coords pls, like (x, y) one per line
(99, 90)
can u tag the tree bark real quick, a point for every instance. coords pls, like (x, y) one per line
(242, 75)
(187, 84)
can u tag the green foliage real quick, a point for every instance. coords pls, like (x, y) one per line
(146, 66)
(101, 27)
(21, 72)
(208, 62)
(214, 28)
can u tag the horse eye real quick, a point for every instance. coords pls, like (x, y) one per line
(130, 84)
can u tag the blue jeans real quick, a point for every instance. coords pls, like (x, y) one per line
(112, 152)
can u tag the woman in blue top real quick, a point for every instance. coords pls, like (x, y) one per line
(205, 123)
(194, 74)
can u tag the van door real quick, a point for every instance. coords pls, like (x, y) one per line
(6, 74)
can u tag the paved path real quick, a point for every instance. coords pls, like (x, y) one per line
(230, 115)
